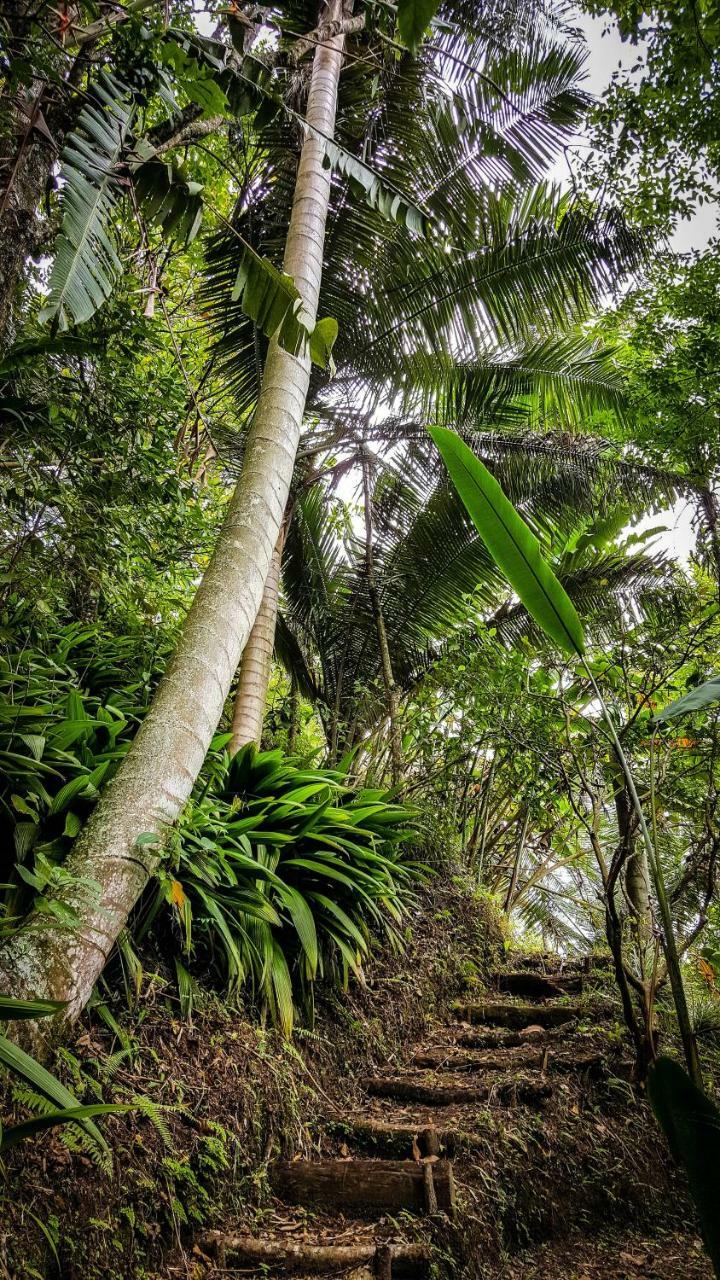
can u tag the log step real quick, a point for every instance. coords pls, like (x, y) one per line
(406, 1259)
(538, 986)
(386, 1138)
(542, 1058)
(517, 1016)
(433, 1094)
(383, 1186)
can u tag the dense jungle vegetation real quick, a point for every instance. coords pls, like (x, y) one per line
(359, 630)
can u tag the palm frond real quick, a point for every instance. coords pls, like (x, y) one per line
(86, 263)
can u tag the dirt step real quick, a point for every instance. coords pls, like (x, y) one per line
(517, 1016)
(499, 1039)
(380, 1186)
(596, 1066)
(538, 986)
(293, 1256)
(434, 1093)
(397, 1139)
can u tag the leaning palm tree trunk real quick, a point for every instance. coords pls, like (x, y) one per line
(254, 674)
(61, 955)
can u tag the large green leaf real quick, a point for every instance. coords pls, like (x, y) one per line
(86, 263)
(513, 546)
(694, 700)
(15, 1010)
(691, 1123)
(273, 302)
(414, 18)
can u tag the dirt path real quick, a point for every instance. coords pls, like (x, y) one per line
(391, 1190)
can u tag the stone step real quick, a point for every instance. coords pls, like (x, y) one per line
(538, 986)
(448, 1093)
(395, 1138)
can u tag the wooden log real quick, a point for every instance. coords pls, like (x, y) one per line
(388, 1139)
(385, 1186)
(433, 1094)
(517, 1016)
(538, 986)
(314, 1259)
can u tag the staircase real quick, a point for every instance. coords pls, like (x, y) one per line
(385, 1183)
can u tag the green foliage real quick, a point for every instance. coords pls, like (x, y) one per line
(87, 262)
(691, 1123)
(57, 1105)
(277, 874)
(656, 128)
(67, 716)
(513, 546)
(414, 18)
(282, 874)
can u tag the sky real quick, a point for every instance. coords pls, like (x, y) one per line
(607, 53)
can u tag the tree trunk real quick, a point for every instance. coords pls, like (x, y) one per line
(391, 698)
(114, 855)
(294, 726)
(256, 662)
(523, 823)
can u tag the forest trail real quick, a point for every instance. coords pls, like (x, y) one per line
(388, 1188)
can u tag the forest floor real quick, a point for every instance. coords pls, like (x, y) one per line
(444, 1118)
(663, 1256)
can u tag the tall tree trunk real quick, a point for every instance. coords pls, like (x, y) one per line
(115, 853)
(391, 698)
(294, 726)
(523, 823)
(256, 662)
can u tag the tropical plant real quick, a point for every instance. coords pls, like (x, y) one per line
(517, 552)
(55, 1104)
(467, 167)
(277, 873)
(281, 874)
(434, 576)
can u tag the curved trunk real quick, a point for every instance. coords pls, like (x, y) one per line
(256, 663)
(120, 845)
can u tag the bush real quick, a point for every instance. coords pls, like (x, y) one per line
(276, 873)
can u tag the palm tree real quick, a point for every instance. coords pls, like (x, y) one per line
(485, 318)
(433, 574)
(463, 260)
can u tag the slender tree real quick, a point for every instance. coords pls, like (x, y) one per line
(119, 847)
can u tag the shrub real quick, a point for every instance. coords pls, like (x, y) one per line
(276, 874)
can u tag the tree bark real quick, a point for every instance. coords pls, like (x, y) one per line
(256, 662)
(389, 1185)
(391, 697)
(114, 856)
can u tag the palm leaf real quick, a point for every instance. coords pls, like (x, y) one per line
(86, 263)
